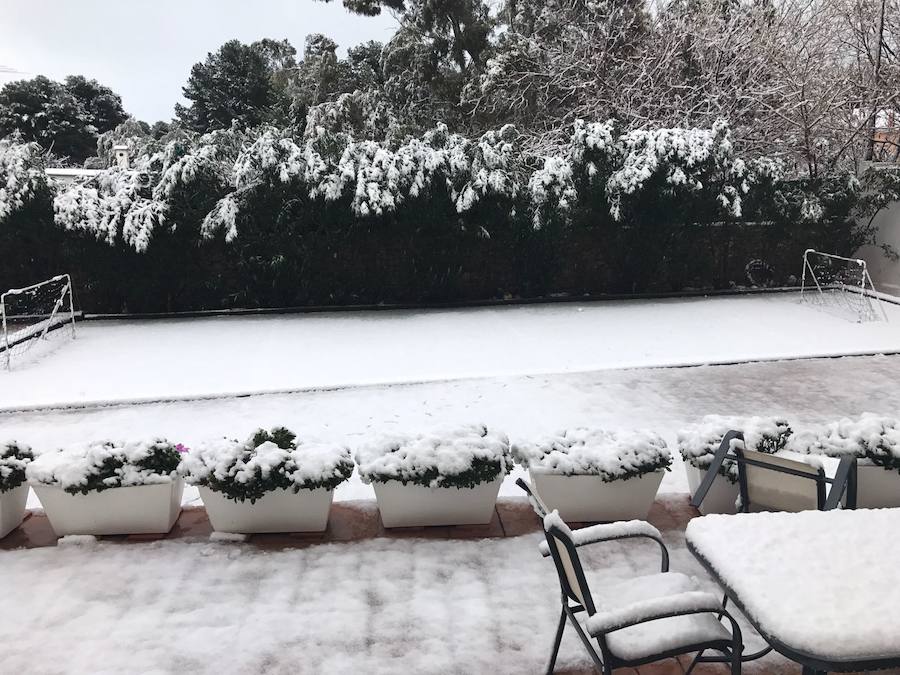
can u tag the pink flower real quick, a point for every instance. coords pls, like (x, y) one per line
(182, 448)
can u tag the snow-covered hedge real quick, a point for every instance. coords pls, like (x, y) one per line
(268, 460)
(14, 458)
(870, 437)
(698, 442)
(101, 465)
(460, 457)
(584, 451)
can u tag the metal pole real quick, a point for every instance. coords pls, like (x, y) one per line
(71, 303)
(5, 332)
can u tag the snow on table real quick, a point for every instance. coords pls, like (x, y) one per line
(820, 583)
(179, 358)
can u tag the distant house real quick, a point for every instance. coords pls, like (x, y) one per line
(122, 160)
(887, 136)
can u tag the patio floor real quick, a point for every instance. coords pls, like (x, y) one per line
(359, 522)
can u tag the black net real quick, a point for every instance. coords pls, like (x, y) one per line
(34, 317)
(839, 286)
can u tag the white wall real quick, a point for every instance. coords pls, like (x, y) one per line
(885, 272)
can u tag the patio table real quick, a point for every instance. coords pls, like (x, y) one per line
(821, 587)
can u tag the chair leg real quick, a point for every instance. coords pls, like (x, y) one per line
(557, 641)
(694, 662)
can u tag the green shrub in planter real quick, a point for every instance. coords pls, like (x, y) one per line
(698, 442)
(101, 465)
(868, 437)
(267, 461)
(595, 452)
(14, 458)
(460, 457)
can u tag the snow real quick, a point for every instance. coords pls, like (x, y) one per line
(683, 602)
(178, 358)
(72, 467)
(603, 532)
(820, 582)
(379, 607)
(811, 391)
(447, 451)
(642, 597)
(870, 436)
(21, 174)
(590, 451)
(699, 442)
(14, 459)
(307, 464)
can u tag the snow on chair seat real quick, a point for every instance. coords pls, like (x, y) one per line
(627, 613)
(639, 621)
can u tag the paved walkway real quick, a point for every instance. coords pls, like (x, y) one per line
(359, 521)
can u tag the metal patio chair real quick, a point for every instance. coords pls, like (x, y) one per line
(639, 621)
(774, 483)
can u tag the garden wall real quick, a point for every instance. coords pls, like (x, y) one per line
(885, 269)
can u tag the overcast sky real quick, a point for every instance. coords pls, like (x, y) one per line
(144, 49)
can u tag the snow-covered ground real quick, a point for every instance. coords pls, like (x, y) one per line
(663, 400)
(379, 606)
(152, 360)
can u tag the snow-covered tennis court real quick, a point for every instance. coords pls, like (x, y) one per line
(170, 359)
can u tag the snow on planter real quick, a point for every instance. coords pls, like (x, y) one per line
(109, 487)
(450, 476)
(272, 482)
(14, 457)
(874, 440)
(698, 444)
(594, 474)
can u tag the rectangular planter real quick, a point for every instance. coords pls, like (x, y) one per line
(587, 498)
(278, 511)
(415, 505)
(139, 509)
(877, 488)
(722, 496)
(12, 509)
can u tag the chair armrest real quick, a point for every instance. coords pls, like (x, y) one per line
(609, 532)
(690, 602)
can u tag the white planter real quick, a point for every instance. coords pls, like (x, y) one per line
(877, 488)
(12, 509)
(722, 496)
(139, 509)
(415, 505)
(277, 511)
(585, 498)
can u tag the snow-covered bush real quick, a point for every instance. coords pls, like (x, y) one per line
(868, 437)
(699, 442)
(14, 458)
(22, 174)
(110, 205)
(686, 160)
(460, 457)
(101, 465)
(596, 452)
(266, 461)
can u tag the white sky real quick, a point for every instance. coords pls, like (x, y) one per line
(144, 50)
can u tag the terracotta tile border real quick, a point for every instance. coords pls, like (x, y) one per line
(352, 521)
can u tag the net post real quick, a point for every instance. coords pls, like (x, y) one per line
(5, 331)
(71, 302)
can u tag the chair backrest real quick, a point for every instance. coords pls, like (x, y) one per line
(780, 484)
(540, 508)
(777, 483)
(568, 566)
